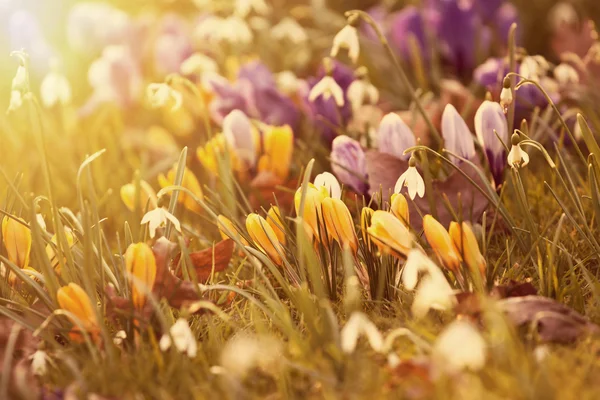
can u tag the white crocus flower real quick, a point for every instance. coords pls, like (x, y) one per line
(359, 325)
(39, 363)
(245, 7)
(460, 346)
(565, 74)
(412, 180)
(197, 64)
(182, 337)
(327, 87)
(161, 95)
(289, 29)
(330, 182)
(347, 38)
(361, 92)
(55, 89)
(157, 218)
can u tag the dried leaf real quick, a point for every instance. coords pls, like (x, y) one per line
(219, 255)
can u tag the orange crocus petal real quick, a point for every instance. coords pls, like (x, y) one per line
(441, 243)
(74, 299)
(141, 266)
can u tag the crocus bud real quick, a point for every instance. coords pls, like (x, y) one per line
(274, 219)
(492, 130)
(53, 243)
(189, 182)
(339, 223)
(211, 154)
(141, 267)
(348, 163)
(330, 183)
(311, 214)
(74, 299)
(390, 234)
(241, 136)
(394, 136)
(146, 196)
(399, 207)
(228, 230)
(17, 241)
(278, 150)
(457, 136)
(441, 243)
(264, 237)
(365, 221)
(466, 243)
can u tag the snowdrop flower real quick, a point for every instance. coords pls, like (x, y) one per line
(55, 88)
(182, 337)
(16, 101)
(198, 64)
(412, 180)
(161, 94)
(20, 83)
(238, 132)
(245, 7)
(456, 134)
(119, 337)
(358, 325)
(506, 95)
(566, 74)
(329, 182)
(244, 352)
(517, 157)
(158, 218)
(39, 363)
(361, 92)
(288, 82)
(327, 87)
(394, 136)
(417, 262)
(533, 67)
(232, 29)
(347, 38)
(460, 346)
(289, 29)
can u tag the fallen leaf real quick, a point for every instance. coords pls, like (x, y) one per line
(206, 261)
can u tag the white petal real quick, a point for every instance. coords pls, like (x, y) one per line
(173, 220)
(458, 347)
(330, 182)
(400, 182)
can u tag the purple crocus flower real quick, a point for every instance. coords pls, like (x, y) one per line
(492, 132)
(172, 46)
(257, 73)
(349, 164)
(487, 8)
(228, 97)
(506, 15)
(394, 136)
(273, 107)
(457, 136)
(409, 21)
(25, 33)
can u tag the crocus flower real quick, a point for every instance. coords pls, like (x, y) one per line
(141, 267)
(213, 153)
(460, 346)
(51, 253)
(365, 221)
(163, 95)
(157, 218)
(466, 243)
(189, 182)
(272, 107)
(441, 243)
(412, 180)
(228, 230)
(264, 237)
(390, 234)
(517, 157)
(241, 136)
(330, 183)
(228, 97)
(75, 300)
(146, 196)
(312, 212)
(17, 240)
(182, 337)
(349, 164)
(399, 207)
(410, 21)
(394, 136)
(274, 219)
(457, 136)
(492, 132)
(172, 46)
(339, 224)
(347, 38)
(278, 149)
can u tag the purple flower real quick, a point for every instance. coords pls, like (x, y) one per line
(487, 8)
(257, 73)
(492, 131)
(349, 164)
(409, 21)
(394, 136)
(506, 15)
(172, 46)
(457, 137)
(238, 132)
(25, 33)
(228, 98)
(273, 108)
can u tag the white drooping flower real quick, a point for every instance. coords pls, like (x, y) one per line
(565, 74)
(158, 218)
(361, 92)
(182, 337)
(55, 88)
(360, 325)
(327, 87)
(289, 29)
(288, 82)
(39, 363)
(534, 67)
(347, 38)
(198, 64)
(20, 83)
(244, 352)
(412, 180)
(460, 346)
(119, 337)
(232, 29)
(517, 157)
(330, 182)
(162, 94)
(245, 7)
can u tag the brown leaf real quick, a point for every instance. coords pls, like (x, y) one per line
(553, 321)
(514, 289)
(266, 185)
(219, 255)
